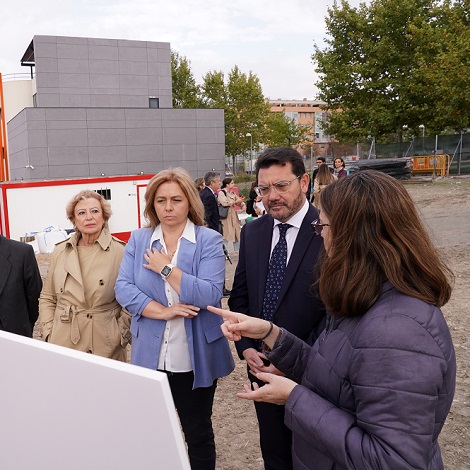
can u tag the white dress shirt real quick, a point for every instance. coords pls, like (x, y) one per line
(174, 352)
(291, 234)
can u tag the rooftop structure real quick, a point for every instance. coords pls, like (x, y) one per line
(94, 107)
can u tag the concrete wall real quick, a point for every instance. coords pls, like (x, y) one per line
(101, 73)
(18, 94)
(86, 142)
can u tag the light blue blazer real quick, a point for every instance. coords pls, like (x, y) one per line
(203, 266)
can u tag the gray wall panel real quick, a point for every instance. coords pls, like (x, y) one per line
(104, 66)
(102, 52)
(63, 114)
(106, 137)
(105, 101)
(144, 153)
(69, 171)
(108, 169)
(48, 101)
(75, 101)
(173, 135)
(143, 136)
(108, 154)
(38, 157)
(68, 156)
(180, 152)
(47, 80)
(67, 137)
(37, 138)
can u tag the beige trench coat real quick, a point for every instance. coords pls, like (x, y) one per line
(65, 318)
(230, 225)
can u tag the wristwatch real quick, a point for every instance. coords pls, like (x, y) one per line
(166, 271)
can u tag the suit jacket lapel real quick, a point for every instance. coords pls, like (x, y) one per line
(5, 265)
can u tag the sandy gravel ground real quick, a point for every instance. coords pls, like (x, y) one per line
(445, 207)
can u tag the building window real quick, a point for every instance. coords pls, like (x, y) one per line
(153, 102)
(106, 193)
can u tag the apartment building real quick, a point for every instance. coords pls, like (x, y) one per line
(306, 112)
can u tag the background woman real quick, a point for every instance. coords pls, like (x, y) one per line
(200, 183)
(77, 306)
(322, 180)
(171, 271)
(340, 168)
(375, 389)
(230, 225)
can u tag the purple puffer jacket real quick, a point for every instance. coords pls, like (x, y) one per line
(375, 390)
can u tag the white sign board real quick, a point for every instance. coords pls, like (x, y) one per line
(64, 409)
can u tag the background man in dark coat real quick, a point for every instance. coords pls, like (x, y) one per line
(283, 182)
(211, 205)
(20, 286)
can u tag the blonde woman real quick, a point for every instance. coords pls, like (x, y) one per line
(322, 180)
(171, 271)
(77, 306)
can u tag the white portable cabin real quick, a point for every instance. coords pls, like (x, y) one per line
(28, 207)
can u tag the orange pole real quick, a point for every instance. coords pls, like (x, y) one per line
(4, 170)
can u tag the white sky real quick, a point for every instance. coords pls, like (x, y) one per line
(272, 38)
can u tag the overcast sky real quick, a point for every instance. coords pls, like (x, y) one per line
(272, 38)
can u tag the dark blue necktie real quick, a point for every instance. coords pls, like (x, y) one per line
(276, 270)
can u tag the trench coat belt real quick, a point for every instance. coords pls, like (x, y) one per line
(75, 329)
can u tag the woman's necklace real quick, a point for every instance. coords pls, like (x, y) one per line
(171, 254)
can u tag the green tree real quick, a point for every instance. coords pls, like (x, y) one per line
(445, 81)
(281, 130)
(245, 108)
(186, 92)
(378, 69)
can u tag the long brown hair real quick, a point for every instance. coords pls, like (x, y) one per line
(324, 175)
(376, 235)
(180, 176)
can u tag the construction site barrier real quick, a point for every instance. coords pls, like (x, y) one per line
(430, 163)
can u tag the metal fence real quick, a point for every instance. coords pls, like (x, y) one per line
(457, 146)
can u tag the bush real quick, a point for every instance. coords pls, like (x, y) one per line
(244, 178)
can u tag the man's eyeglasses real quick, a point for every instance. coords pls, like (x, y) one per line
(318, 227)
(281, 187)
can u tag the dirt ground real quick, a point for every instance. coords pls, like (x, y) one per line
(445, 208)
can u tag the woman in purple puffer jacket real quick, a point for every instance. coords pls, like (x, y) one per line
(376, 387)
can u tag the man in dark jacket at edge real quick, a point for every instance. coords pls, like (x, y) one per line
(282, 185)
(20, 286)
(211, 206)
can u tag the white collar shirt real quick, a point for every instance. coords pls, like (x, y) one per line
(291, 234)
(174, 351)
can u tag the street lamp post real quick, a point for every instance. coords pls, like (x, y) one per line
(248, 134)
(423, 128)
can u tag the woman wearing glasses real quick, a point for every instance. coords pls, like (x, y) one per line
(376, 387)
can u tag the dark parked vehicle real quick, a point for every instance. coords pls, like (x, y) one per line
(399, 168)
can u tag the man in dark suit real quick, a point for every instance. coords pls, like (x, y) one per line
(282, 184)
(209, 199)
(20, 286)
(211, 206)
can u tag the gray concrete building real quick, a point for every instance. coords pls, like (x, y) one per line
(104, 107)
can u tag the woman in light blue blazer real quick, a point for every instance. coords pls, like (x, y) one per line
(170, 273)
